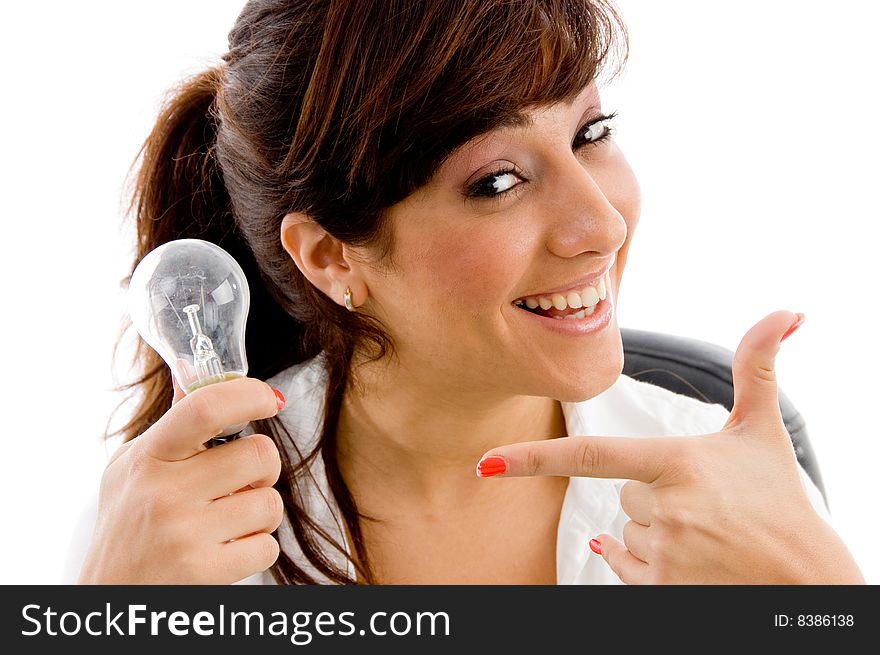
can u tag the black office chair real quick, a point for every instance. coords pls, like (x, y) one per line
(702, 370)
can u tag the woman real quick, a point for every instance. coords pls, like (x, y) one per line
(435, 223)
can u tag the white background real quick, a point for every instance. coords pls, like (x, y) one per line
(751, 126)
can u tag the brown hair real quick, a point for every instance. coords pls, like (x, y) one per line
(338, 110)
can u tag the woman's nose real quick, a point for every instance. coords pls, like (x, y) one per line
(583, 219)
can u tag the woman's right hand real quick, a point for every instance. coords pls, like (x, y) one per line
(171, 511)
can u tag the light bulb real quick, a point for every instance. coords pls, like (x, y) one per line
(189, 300)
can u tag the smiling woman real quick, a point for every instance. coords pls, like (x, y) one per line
(435, 222)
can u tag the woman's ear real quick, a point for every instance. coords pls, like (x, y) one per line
(323, 260)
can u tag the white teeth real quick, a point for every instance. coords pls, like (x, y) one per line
(586, 298)
(589, 296)
(580, 314)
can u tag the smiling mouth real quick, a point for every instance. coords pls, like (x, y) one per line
(573, 304)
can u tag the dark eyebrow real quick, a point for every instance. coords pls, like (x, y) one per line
(521, 119)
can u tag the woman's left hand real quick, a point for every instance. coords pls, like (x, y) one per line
(721, 508)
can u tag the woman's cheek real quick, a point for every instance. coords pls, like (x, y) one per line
(471, 269)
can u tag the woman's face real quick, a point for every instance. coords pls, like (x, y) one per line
(474, 249)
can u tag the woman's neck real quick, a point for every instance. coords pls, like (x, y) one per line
(419, 440)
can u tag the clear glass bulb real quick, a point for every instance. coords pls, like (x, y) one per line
(189, 300)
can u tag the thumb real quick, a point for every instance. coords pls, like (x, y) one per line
(755, 391)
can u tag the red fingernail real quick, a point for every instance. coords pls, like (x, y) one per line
(490, 466)
(279, 399)
(794, 326)
(595, 546)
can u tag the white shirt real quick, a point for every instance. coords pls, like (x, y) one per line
(591, 506)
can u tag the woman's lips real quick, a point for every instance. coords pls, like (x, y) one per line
(589, 324)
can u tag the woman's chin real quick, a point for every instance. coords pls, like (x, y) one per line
(596, 386)
(594, 374)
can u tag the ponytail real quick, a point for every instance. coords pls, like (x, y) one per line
(179, 193)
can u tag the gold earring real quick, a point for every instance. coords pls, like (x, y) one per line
(346, 298)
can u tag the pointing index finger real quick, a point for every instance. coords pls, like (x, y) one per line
(631, 458)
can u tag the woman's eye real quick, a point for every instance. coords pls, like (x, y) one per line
(596, 131)
(494, 184)
(498, 183)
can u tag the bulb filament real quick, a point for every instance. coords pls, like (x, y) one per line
(205, 360)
